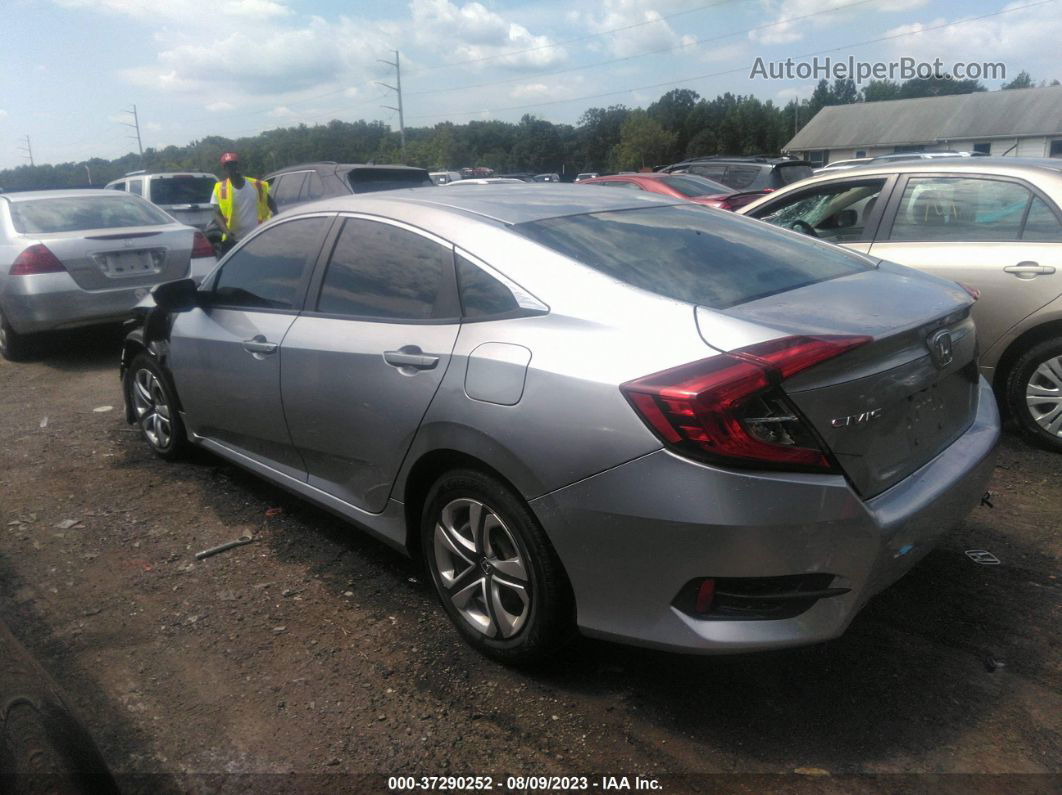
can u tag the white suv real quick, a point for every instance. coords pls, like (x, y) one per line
(184, 195)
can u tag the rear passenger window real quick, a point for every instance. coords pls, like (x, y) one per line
(287, 188)
(266, 273)
(136, 186)
(481, 294)
(1041, 223)
(312, 188)
(948, 209)
(382, 271)
(741, 177)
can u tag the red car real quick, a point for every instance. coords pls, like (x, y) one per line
(681, 186)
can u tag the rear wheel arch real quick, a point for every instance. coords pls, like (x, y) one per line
(423, 474)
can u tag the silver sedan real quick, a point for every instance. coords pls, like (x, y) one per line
(603, 411)
(85, 257)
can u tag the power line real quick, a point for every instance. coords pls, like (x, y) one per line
(136, 126)
(398, 90)
(738, 69)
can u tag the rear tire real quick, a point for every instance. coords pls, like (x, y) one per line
(14, 347)
(1034, 394)
(495, 572)
(154, 405)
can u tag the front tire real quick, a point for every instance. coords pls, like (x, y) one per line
(149, 394)
(1034, 394)
(495, 572)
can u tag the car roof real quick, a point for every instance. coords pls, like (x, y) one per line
(999, 165)
(510, 203)
(61, 193)
(333, 167)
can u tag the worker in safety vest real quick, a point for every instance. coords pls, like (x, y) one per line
(241, 203)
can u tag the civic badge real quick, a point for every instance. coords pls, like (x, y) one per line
(939, 345)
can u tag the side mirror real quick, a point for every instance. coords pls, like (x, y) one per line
(178, 296)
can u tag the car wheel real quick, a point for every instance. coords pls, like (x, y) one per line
(154, 408)
(14, 347)
(497, 575)
(1034, 394)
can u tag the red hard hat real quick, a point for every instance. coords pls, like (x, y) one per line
(229, 157)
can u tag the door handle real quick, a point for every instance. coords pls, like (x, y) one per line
(406, 358)
(1026, 270)
(258, 344)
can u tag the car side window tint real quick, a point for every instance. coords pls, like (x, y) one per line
(481, 294)
(960, 210)
(741, 177)
(837, 213)
(1042, 223)
(266, 272)
(382, 271)
(288, 187)
(312, 189)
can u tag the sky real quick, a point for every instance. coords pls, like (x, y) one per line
(73, 69)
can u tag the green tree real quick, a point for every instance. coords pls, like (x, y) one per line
(1021, 81)
(643, 143)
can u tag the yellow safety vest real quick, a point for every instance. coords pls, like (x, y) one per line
(224, 193)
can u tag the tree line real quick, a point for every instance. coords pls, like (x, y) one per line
(679, 124)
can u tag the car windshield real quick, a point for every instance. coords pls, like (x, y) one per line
(693, 254)
(182, 190)
(369, 180)
(72, 213)
(690, 185)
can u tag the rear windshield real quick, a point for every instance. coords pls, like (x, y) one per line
(794, 173)
(690, 185)
(370, 180)
(72, 213)
(694, 254)
(182, 190)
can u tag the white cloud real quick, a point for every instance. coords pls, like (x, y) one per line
(281, 112)
(791, 20)
(646, 30)
(215, 107)
(529, 90)
(473, 32)
(3, 113)
(152, 126)
(1011, 38)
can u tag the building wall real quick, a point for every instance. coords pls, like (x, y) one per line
(1038, 146)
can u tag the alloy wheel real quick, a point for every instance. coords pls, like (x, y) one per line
(1043, 394)
(483, 572)
(152, 409)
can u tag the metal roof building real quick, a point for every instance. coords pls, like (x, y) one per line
(1023, 122)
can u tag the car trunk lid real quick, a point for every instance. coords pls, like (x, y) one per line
(105, 259)
(885, 408)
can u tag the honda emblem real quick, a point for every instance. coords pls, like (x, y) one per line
(940, 348)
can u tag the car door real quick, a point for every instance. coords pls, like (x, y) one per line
(365, 359)
(843, 211)
(996, 234)
(225, 356)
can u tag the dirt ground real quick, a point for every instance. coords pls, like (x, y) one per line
(316, 650)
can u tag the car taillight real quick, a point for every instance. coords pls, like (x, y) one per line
(729, 408)
(38, 258)
(201, 246)
(973, 292)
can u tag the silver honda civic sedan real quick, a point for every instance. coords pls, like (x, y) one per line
(587, 411)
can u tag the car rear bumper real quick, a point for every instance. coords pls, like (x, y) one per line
(52, 301)
(633, 536)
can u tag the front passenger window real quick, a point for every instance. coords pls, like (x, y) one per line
(267, 272)
(837, 213)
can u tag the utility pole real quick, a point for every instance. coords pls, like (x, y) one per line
(398, 90)
(136, 126)
(27, 150)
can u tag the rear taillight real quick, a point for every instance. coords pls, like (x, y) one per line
(38, 258)
(973, 292)
(201, 246)
(729, 409)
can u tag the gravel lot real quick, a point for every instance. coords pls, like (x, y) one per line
(316, 650)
